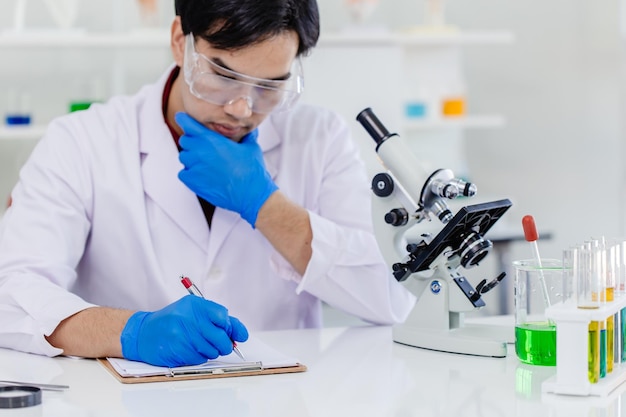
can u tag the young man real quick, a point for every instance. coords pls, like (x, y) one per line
(211, 173)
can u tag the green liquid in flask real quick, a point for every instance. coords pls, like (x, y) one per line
(535, 343)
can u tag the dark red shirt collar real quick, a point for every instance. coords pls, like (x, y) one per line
(166, 96)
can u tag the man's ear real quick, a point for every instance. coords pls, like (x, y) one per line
(177, 42)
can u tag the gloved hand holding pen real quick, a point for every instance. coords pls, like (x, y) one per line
(187, 332)
(225, 173)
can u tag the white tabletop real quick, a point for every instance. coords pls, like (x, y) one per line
(356, 371)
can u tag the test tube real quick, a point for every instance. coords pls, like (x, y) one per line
(620, 282)
(622, 320)
(570, 269)
(618, 339)
(613, 265)
(588, 287)
(613, 323)
(588, 292)
(609, 270)
(607, 289)
(593, 354)
(618, 269)
(621, 289)
(603, 349)
(610, 343)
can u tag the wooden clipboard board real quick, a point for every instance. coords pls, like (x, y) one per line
(164, 378)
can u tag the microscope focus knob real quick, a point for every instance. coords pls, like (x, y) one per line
(469, 190)
(397, 217)
(382, 184)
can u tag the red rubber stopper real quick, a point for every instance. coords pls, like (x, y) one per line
(530, 230)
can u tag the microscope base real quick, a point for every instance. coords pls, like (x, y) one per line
(472, 339)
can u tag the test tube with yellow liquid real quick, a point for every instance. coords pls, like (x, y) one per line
(593, 355)
(588, 293)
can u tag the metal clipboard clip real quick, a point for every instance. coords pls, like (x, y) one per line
(226, 369)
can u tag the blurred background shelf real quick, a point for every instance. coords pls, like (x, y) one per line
(418, 37)
(78, 38)
(22, 132)
(462, 122)
(160, 37)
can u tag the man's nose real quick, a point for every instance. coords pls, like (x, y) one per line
(240, 107)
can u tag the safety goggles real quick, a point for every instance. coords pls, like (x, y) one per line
(215, 84)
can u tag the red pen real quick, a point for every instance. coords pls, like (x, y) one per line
(193, 290)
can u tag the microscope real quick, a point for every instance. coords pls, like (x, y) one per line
(407, 198)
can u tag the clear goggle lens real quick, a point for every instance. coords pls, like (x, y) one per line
(215, 84)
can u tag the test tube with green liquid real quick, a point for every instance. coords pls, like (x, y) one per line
(603, 349)
(606, 291)
(622, 314)
(611, 271)
(620, 286)
(593, 354)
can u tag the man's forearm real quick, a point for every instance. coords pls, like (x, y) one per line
(288, 228)
(91, 333)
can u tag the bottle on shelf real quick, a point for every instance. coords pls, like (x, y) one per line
(86, 93)
(18, 111)
(148, 14)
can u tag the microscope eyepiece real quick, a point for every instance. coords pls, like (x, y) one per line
(373, 126)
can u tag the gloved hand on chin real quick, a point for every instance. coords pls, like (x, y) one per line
(187, 332)
(225, 173)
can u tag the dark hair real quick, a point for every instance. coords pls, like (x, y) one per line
(233, 24)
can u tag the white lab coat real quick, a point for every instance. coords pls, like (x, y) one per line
(99, 217)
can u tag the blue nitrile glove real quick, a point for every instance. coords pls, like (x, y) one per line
(187, 332)
(225, 173)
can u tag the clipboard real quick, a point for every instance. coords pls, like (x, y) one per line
(262, 360)
(227, 372)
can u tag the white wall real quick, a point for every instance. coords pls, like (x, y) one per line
(561, 156)
(560, 87)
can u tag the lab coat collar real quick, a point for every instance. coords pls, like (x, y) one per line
(269, 139)
(160, 167)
